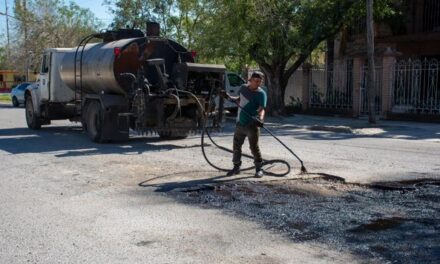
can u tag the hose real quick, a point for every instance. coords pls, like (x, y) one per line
(265, 162)
(176, 110)
(205, 131)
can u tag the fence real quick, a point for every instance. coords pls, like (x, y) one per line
(293, 94)
(364, 108)
(417, 87)
(331, 87)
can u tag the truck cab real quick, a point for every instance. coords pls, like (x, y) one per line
(50, 98)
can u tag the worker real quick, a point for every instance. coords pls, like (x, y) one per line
(252, 100)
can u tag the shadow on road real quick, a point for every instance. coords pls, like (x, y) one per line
(71, 141)
(205, 183)
(312, 128)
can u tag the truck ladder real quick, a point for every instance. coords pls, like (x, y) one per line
(77, 68)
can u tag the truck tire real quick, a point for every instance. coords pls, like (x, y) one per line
(32, 120)
(84, 117)
(94, 121)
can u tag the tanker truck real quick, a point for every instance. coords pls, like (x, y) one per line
(127, 80)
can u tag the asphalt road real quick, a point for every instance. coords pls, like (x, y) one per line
(64, 199)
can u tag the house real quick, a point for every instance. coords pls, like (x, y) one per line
(407, 60)
(10, 78)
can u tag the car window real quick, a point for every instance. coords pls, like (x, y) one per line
(22, 86)
(19, 87)
(235, 80)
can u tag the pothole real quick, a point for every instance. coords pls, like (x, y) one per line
(392, 221)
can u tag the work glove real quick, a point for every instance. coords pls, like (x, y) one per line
(258, 122)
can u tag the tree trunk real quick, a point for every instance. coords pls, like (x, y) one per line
(371, 74)
(275, 93)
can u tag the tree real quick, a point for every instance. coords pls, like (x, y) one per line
(41, 24)
(371, 70)
(279, 35)
(179, 19)
(3, 59)
(130, 13)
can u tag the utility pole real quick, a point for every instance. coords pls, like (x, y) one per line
(7, 32)
(25, 29)
(371, 80)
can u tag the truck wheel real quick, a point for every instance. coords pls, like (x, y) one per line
(84, 117)
(94, 122)
(15, 102)
(32, 120)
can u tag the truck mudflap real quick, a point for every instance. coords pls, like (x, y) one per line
(112, 125)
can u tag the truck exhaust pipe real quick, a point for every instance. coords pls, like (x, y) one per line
(153, 29)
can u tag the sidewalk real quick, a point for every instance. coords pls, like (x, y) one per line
(360, 127)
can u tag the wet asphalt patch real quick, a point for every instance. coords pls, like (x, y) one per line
(395, 222)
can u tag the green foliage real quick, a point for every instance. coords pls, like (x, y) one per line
(131, 13)
(276, 35)
(5, 97)
(44, 24)
(279, 35)
(179, 19)
(294, 105)
(3, 62)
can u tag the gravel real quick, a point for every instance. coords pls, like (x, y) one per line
(396, 226)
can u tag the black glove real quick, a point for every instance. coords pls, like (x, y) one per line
(258, 122)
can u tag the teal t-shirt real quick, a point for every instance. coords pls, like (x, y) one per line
(250, 101)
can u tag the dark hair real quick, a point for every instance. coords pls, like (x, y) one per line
(257, 74)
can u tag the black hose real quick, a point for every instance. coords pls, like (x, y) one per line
(303, 168)
(265, 162)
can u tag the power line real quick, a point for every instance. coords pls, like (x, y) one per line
(7, 30)
(7, 15)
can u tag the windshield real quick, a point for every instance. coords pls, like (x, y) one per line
(22, 86)
(235, 80)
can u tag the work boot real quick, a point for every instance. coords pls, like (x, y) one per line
(234, 171)
(258, 171)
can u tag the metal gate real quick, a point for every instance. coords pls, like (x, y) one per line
(416, 87)
(364, 91)
(331, 87)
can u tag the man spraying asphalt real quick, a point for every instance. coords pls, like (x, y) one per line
(252, 100)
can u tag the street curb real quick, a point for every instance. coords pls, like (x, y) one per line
(338, 129)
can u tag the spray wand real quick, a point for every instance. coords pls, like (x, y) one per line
(303, 168)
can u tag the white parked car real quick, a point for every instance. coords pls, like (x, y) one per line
(17, 94)
(233, 84)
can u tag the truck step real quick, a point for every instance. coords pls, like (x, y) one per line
(125, 114)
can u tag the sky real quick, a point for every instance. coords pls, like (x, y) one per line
(96, 6)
